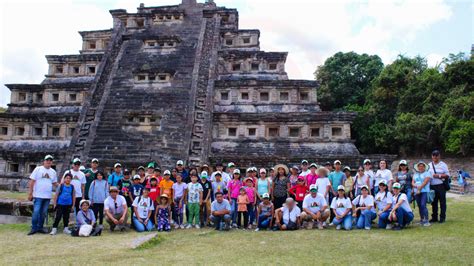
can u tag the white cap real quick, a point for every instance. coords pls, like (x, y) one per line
(265, 196)
(396, 185)
(367, 161)
(48, 157)
(231, 164)
(346, 168)
(304, 161)
(84, 201)
(167, 172)
(403, 162)
(313, 186)
(76, 160)
(236, 171)
(249, 169)
(263, 170)
(313, 165)
(95, 160)
(82, 168)
(220, 173)
(180, 162)
(340, 187)
(383, 181)
(337, 161)
(117, 165)
(136, 177)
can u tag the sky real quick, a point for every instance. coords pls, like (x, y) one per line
(310, 30)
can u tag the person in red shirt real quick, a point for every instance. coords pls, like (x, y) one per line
(299, 191)
(154, 189)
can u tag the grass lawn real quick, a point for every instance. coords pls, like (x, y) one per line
(449, 243)
(13, 195)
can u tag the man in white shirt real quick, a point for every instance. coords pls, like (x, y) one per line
(288, 216)
(115, 207)
(315, 209)
(440, 172)
(41, 185)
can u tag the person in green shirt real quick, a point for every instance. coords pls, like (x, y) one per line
(90, 174)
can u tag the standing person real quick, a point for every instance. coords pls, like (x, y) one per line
(90, 174)
(136, 190)
(323, 183)
(180, 189)
(116, 210)
(116, 176)
(166, 185)
(194, 200)
(336, 178)
(224, 175)
(363, 209)
(401, 212)
(234, 188)
(78, 181)
(342, 207)
(299, 191)
(143, 179)
(263, 184)
(150, 170)
(384, 200)
(227, 175)
(304, 168)
(62, 203)
(312, 176)
(265, 213)
(404, 177)
(281, 184)
(98, 192)
(251, 194)
(370, 173)
(361, 179)
(242, 212)
(421, 188)
(439, 183)
(219, 186)
(294, 173)
(288, 216)
(383, 174)
(348, 183)
(124, 186)
(180, 170)
(163, 214)
(315, 209)
(205, 206)
(220, 212)
(42, 180)
(328, 166)
(143, 209)
(154, 190)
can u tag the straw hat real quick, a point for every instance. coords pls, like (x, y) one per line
(276, 167)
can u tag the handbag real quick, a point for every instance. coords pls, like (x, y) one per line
(446, 181)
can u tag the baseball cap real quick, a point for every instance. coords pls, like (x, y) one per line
(435, 152)
(82, 168)
(347, 168)
(337, 162)
(263, 170)
(364, 186)
(95, 160)
(236, 171)
(113, 188)
(167, 172)
(141, 168)
(76, 160)
(313, 165)
(117, 165)
(179, 162)
(383, 182)
(48, 157)
(157, 169)
(300, 177)
(295, 167)
(204, 174)
(327, 163)
(229, 165)
(136, 177)
(126, 172)
(340, 187)
(250, 169)
(205, 166)
(396, 185)
(265, 196)
(151, 165)
(220, 173)
(366, 161)
(402, 162)
(304, 162)
(313, 188)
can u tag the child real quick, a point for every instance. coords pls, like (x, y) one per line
(251, 194)
(265, 213)
(205, 207)
(233, 189)
(63, 202)
(166, 185)
(163, 214)
(312, 176)
(194, 200)
(85, 221)
(242, 201)
(136, 189)
(124, 185)
(218, 185)
(299, 191)
(98, 192)
(179, 189)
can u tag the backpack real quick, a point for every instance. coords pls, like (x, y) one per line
(61, 190)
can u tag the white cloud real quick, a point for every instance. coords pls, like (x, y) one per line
(310, 31)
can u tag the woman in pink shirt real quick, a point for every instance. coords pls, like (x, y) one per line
(234, 190)
(312, 176)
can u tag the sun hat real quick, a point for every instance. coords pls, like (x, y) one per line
(281, 166)
(84, 201)
(48, 157)
(313, 188)
(415, 166)
(397, 185)
(340, 187)
(265, 196)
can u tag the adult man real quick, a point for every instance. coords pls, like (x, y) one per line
(115, 207)
(304, 168)
(220, 212)
(116, 176)
(90, 174)
(180, 170)
(315, 209)
(440, 172)
(41, 185)
(328, 166)
(288, 216)
(78, 181)
(205, 205)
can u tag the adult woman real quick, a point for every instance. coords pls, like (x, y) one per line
(361, 179)
(383, 174)
(281, 184)
(85, 221)
(404, 177)
(293, 175)
(263, 184)
(363, 208)
(348, 182)
(341, 207)
(143, 207)
(370, 173)
(384, 200)
(401, 212)
(421, 188)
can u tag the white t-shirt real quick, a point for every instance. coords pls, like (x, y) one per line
(314, 204)
(383, 200)
(44, 180)
(341, 205)
(371, 175)
(405, 205)
(361, 181)
(78, 178)
(322, 183)
(441, 168)
(384, 174)
(305, 173)
(364, 202)
(143, 207)
(179, 189)
(290, 216)
(109, 204)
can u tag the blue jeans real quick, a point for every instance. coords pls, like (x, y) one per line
(251, 211)
(408, 193)
(217, 220)
(421, 202)
(264, 221)
(40, 210)
(346, 221)
(365, 218)
(383, 219)
(404, 217)
(139, 227)
(233, 207)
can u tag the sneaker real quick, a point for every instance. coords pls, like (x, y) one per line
(234, 225)
(67, 231)
(249, 227)
(367, 228)
(181, 226)
(112, 227)
(257, 229)
(325, 225)
(176, 226)
(320, 226)
(32, 232)
(426, 224)
(397, 228)
(338, 227)
(442, 221)
(331, 224)
(54, 231)
(43, 231)
(189, 226)
(197, 226)
(388, 227)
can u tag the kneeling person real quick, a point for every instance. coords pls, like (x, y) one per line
(341, 207)
(288, 216)
(143, 208)
(86, 221)
(315, 208)
(401, 212)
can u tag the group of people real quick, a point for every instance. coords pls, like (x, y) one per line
(280, 198)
